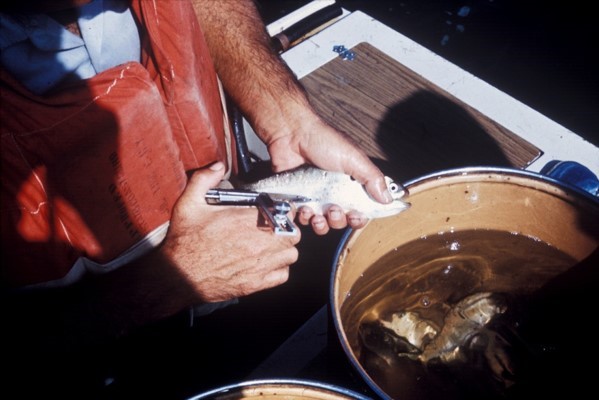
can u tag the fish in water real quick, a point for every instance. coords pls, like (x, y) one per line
(385, 343)
(464, 320)
(465, 329)
(325, 188)
(410, 326)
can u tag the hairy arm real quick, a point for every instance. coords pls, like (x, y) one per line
(260, 83)
(273, 100)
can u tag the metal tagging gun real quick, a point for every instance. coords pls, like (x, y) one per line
(273, 206)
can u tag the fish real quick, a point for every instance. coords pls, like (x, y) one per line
(323, 189)
(386, 344)
(409, 325)
(465, 331)
(465, 320)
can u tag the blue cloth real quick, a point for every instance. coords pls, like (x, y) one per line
(572, 173)
(41, 53)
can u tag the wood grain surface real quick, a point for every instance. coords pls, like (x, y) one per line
(409, 126)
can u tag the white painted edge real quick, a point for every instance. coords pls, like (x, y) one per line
(293, 17)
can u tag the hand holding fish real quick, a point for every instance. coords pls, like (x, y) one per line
(317, 143)
(318, 192)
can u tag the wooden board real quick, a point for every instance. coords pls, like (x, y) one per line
(404, 122)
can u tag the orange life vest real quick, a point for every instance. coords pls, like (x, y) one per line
(92, 170)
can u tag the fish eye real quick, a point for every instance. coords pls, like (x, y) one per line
(393, 187)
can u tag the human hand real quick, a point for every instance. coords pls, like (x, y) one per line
(314, 141)
(276, 106)
(221, 250)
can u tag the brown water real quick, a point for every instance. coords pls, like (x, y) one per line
(542, 326)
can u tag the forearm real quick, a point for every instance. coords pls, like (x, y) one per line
(255, 77)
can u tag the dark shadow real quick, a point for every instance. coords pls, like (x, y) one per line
(223, 348)
(533, 51)
(553, 320)
(428, 133)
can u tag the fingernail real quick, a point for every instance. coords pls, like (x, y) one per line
(319, 224)
(356, 221)
(335, 215)
(217, 166)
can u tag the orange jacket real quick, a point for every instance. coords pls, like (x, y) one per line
(90, 171)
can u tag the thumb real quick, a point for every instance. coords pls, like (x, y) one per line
(362, 169)
(201, 181)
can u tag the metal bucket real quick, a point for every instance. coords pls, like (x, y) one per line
(280, 389)
(470, 199)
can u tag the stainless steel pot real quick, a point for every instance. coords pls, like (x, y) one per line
(280, 389)
(515, 201)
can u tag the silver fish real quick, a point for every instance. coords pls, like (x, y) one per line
(325, 188)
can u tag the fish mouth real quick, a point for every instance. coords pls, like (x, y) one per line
(398, 207)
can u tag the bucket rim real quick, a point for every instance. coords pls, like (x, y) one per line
(281, 381)
(566, 186)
